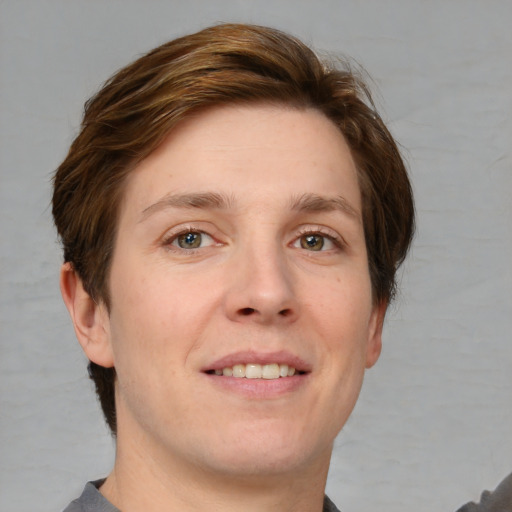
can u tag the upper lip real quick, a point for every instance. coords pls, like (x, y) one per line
(253, 357)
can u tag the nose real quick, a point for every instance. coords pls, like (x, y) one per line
(261, 288)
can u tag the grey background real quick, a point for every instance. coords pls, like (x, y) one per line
(434, 423)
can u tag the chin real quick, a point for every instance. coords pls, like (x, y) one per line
(255, 464)
(270, 451)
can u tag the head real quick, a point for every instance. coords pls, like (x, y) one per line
(141, 105)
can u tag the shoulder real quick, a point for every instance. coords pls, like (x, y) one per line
(329, 506)
(74, 506)
(91, 500)
(498, 501)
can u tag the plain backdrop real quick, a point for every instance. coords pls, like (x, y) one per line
(433, 426)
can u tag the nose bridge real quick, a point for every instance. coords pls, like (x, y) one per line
(262, 287)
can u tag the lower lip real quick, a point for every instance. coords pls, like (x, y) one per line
(262, 389)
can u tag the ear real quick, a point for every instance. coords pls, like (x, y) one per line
(374, 346)
(90, 320)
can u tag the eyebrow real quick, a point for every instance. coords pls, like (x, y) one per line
(205, 200)
(315, 203)
(214, 201)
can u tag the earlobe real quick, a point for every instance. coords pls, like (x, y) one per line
(374, 346)
(90, 320)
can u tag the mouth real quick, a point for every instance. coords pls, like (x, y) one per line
(259, 375)
(259, 366)
(269, 371)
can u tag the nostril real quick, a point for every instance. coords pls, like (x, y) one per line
(284, 312)
(247, 311)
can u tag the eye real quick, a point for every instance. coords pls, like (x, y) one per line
(191, 240)
(312, 242)
(315, 242)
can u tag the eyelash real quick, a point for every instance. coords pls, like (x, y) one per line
(336, 239)
(169, 240)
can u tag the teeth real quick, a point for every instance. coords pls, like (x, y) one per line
(270, 371)
(253, 371)
(239, 370)
(257, 371)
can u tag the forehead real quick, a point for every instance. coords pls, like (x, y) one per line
(240, 150)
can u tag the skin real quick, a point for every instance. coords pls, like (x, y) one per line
(260, 188)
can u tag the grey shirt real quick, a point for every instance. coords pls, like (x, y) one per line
(92, 500)
(498, 501)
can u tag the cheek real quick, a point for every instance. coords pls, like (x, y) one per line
(342, 319)
(158, 316)
(342, 308)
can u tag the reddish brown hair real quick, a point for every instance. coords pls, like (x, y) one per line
(135, 110)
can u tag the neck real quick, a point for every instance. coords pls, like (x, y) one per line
(146, 479)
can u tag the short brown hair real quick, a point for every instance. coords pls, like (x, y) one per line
(224, 64)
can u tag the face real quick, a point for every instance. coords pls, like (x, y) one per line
(241, 251)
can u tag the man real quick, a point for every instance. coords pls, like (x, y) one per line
(233, 213)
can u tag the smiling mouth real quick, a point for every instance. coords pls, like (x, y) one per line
(257, 371)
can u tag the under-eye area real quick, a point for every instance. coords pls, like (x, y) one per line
(257, 371)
